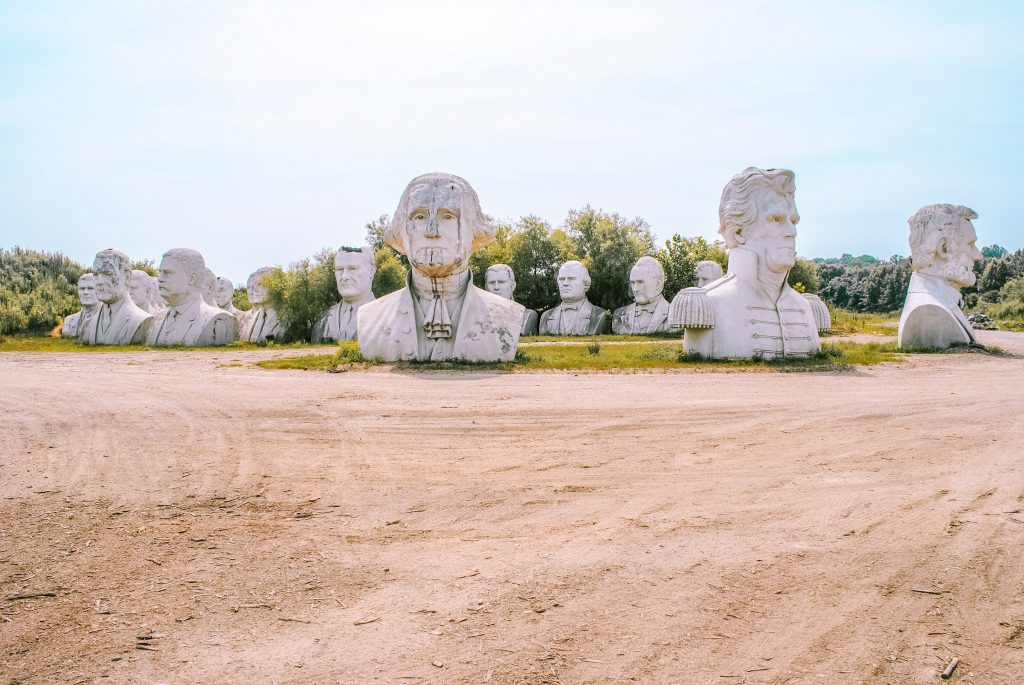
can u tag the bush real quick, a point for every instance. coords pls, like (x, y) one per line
(37, 290)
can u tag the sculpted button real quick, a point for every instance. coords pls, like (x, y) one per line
(407, 330)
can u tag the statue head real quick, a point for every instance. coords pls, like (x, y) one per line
(87, 290)
(942, 243)
(179, 275)
(142, 289)
(573, 281)
(354, 268)
(758, 213)
(223, 292)
(708, 271)
(207, 284)
(254, 286)
(113, 270)
(646, 280)
(438, 224)
(500, 280)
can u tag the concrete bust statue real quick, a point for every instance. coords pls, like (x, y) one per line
(751, 311)
(188, 320)
(118, 320)
(75, 324)
(207, 286)
(439, 315)
(500, 280)
(144, 292)
(576, 315)
(649, 312)
(354, 268)
(708, 272)
(262, 322)
(943, 249)
(223, 293)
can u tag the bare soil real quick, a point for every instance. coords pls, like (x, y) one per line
(190, 518)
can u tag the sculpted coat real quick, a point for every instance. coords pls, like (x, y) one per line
(625, 318)
(76, 324)
(340, 322)
(577, 318)
(488, 327)
(260, 324)
(123, 323)
(931, 315)
(531, 322)
(194, 324)
(748, 322)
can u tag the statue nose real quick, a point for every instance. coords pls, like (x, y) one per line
(432, 228)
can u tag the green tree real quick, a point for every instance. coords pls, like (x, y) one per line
(375, 238)
(37, 290)
(804, 276)
(147, 265)
(679, 258)
(609, 245)
(390, 275)
(303, 292)
(993, 250)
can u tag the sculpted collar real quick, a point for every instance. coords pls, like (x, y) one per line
(433, 296)
(743, 263)
(185, 306)
(944, 291)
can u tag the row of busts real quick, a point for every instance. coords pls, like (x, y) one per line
(184, 304)
(750, 311)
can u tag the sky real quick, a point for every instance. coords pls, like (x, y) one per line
(261, 132)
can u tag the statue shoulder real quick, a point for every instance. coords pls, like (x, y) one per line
(692, 308)
(822, 318)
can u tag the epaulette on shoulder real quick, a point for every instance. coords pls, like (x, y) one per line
(822, 319)
(691, 308)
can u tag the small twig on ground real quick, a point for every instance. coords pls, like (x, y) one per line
(363, 622)
(31, 595)
(948, 673)
(468, 575)
(927, 592)
(293, 620)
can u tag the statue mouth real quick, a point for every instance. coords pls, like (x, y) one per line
(431, 256)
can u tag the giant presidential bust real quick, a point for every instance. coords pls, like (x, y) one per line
(188, 320)
(354, 268)
(75, 324)
(942, 246)
(439, 315)
(648, 313)
(261, 323)
(575, 315)
(752, 311)
(500, 280)
(118, 320)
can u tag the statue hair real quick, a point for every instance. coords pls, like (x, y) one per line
(87, 278)
(653, 266)
(932, 224)
(114, 258)
(365, 252)
(258, 274)
(508, 271)
(190, 259)
(737, 209)
(586, 271)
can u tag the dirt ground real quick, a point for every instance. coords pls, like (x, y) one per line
(191, 518)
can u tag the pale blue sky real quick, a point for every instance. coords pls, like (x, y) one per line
(260, 132)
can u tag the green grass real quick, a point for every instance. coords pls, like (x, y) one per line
(631, 356)
(28, 343)
(847, 323)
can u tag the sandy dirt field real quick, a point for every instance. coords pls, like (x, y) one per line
(191, 518)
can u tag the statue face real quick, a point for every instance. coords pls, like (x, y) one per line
(175, 282)
(138, 289)
(223, 293)
(433, 237)
(646, 286)
(257, 293)
(961, 252)
(706, 274)
(87, 292)
(111, 283)
(773, 236)
(571, 282)
(352, 274)
(497, 281)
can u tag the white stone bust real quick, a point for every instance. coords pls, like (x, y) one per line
(751, 312)
(575, 315)
(208, 286)
(943, 248)
(354, 268)
(648, 313)
(708, 271)
(188, 319)
(223, 293)
(118, 320)
(144, 292)
(500, 280)
(75, 324)
(440, 315)
(262, 323)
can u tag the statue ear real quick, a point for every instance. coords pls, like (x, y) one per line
(738, 237)
(942, 247)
